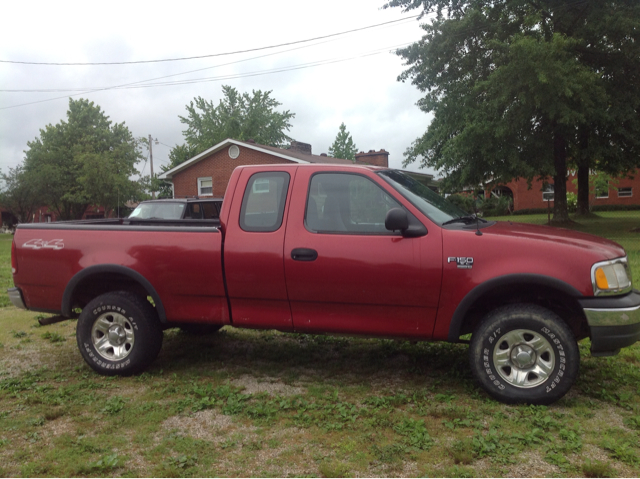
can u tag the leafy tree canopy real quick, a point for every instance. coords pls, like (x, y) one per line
(19, 195)
(343, 146)
(239, 116)
(86, 160)
(521, 88)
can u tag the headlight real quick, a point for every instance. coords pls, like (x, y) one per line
(611, 277)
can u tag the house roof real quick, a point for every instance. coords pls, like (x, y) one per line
(289, 155)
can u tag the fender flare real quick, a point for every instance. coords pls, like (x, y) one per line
(110, 268)
(508, 280)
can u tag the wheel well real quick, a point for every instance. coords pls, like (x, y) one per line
(561, 303)
(100, 283)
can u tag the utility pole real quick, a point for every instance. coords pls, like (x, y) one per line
(153, 193)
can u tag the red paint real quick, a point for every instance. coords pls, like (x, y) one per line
(379, 285)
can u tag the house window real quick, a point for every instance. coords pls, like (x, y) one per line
(548, 192)
(261, 185)
(625, 192)
(205, 186)
(603, 192)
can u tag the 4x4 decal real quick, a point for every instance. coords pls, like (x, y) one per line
(40, 244)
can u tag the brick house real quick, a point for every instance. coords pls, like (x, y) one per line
(622, 191)
(208, 173)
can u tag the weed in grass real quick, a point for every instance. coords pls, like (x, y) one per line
(107, 463)
(632, 422)
(114, 406)
(32, 437)
(621, 450)
(18, 334)
(559, 460)
(53, 337)
(3, 441)
(38, 421)
(462, 452)
(598, 469)
(390, 453)
(335, 469)
(253, 446)
(182, 461)
(415, 434)
(54, 413)
(459, 471)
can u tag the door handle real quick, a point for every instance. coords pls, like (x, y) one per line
(304, 254)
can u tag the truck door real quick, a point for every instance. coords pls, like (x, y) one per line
(253, 250)
(345, 272)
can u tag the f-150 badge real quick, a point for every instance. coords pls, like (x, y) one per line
(461, 261)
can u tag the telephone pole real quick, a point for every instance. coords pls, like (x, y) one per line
(153, 193)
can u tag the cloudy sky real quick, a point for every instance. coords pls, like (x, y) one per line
(350, 78)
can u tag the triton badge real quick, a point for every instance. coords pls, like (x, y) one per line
(462, 262)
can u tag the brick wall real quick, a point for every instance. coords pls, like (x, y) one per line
(525, 198)
(375, 158)
(219, 167)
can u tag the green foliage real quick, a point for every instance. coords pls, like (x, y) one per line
(343, 146)
(86, 160)
(20, 195)
(114, 406)
(597, 469)
(239, 116)
(415, 434)
(53, 337)
(516, 88)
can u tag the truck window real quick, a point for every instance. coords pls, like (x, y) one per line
(347, 203)
(263, 201)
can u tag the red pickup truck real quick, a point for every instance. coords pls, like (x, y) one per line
(339, 250)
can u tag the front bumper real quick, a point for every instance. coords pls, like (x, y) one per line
(15, 295)
(614, 322)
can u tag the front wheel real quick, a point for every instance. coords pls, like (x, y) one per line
(119, 334)
(524, 354)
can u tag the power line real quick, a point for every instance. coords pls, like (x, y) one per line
(228, 77)
(213, 54)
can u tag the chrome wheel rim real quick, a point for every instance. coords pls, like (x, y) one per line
(112, 336)
(524, 358)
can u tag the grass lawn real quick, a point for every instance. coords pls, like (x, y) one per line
(248, 403)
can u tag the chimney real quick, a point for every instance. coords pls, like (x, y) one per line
(251, 140)
(374, 158)
(323, 154)
(300, 147)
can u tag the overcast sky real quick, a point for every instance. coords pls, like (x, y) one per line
(360, 88)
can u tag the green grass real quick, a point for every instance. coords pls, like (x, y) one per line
(251, 403)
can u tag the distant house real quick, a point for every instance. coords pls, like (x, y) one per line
(621, 191)
(208, 173)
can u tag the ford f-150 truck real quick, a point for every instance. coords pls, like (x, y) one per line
(338, 250)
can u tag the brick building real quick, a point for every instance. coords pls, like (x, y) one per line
(208, 173)
(622, 191)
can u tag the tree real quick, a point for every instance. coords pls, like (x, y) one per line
(238, 116)
(20, 194)
(521, 88)
(84, 161)
(343, 146)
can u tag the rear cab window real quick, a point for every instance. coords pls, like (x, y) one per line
(264, 201)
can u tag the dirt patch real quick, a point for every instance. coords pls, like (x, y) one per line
(207, 425)
(271, 386)
(531, 464)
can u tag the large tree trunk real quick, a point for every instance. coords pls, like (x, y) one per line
(583, 176)
(560, 211)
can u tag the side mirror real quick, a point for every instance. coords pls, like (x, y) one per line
(396, 220)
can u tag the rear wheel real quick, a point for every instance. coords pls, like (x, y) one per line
(119, 334)
(524, 354)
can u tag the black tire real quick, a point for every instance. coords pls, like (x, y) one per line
(119, 333)
(524, 353)
(199, 329)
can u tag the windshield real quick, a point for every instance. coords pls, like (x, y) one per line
(164, 211)
(434, 206)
